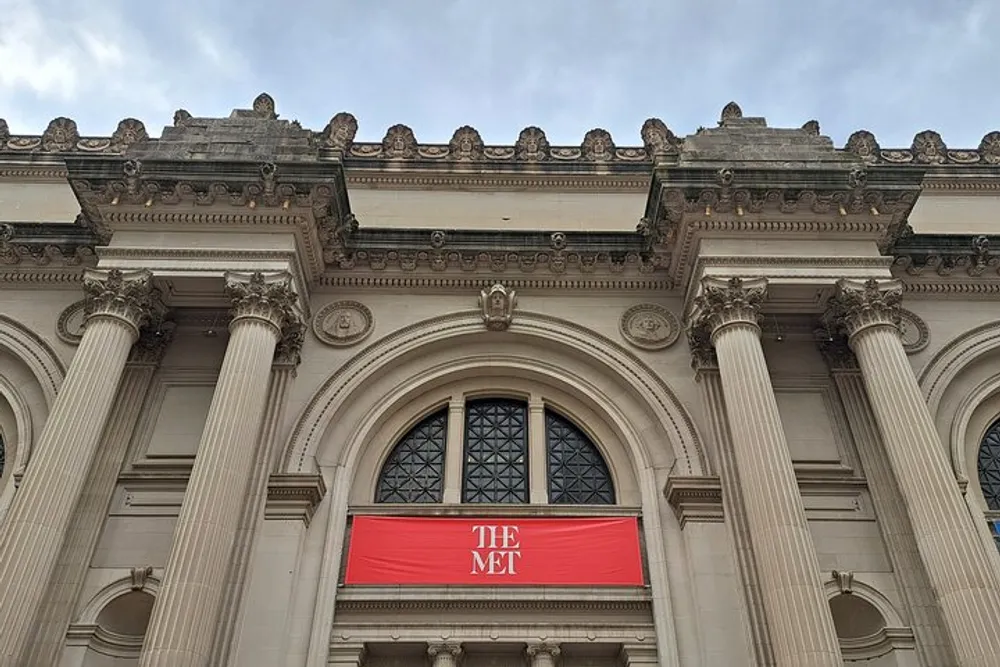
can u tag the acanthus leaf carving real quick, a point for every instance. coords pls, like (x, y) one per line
(263, 106)
(598, 146)
(858, 305)
(863, 144)
(929, 148)
(399, 142)
(129, 131)
(268, 297)
(722, 302)
(126, 295)
(731, 111)
(989, 148)
(532, 145)
(466, 144)
(154, 339)
(60, 136)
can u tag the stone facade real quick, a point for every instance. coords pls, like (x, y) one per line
(220, 346)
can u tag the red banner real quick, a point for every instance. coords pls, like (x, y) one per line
(492, 551)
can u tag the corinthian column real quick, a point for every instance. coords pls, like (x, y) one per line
(118, 304)
(802, 632)
(957, 565)
(186, 613)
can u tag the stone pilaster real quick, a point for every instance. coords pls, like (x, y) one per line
(543, 654)
(265, 454)
(801, 626)
(735, 513)
(956, 563)
(184, 618)
(92, 508)
(444, 654)
(118, 304)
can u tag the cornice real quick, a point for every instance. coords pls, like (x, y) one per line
(502, 510)
(482, 279)
(293, 496)
(473, 598)
(695, 499)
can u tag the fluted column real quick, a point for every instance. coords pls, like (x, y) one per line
(118, 304)
(444, 654)
(799, 619)
(894, 524)
(707, 368)
(186, 612)
(92, 509)
(956, 562)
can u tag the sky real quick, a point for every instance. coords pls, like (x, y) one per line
(894, 67)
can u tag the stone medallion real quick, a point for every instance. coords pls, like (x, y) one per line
(69, 326)
(914, 330)
(343, 323)
(650, 326)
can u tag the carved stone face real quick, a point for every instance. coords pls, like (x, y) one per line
(344, 321)
(497, 302)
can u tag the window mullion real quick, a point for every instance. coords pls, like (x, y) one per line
(454, 450)
(537, 474)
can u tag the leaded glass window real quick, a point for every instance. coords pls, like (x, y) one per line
(989, 466)
(496, 452)
(414, 471)
(578, 474)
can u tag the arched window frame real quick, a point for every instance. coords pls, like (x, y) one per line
(538, 407)
(988, 466)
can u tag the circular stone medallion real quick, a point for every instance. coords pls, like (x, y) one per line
(650, 326)
(914, 331)
(343, 323)
(69, 326)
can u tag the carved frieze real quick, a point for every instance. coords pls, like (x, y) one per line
(343, 323)
(649, 326)
(497, 304)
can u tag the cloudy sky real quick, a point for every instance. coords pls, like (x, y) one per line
(894, 67)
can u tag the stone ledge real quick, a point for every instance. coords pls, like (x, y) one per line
(697, 499)
(293, 496)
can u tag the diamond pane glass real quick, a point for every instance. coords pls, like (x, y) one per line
(414, 472)
(578, 474)
(496, 452)
(989, 466)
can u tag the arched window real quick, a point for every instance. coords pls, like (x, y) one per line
(577, 472)
(503, 445)
(989, 466)
(414, 472)
(496, 452)
(3, 453)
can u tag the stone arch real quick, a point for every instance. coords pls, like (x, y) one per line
(591, 348)
(38, 355)
(870, 628)
(114, 621)
(509, 376)
(360, 399)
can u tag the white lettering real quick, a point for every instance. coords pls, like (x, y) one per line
(497, 550)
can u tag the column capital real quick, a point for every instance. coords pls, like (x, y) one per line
(723, 302)
(544, 649)
(124, 295)
(449, 649)
(859, 305)
(703, 357)
(264, 296)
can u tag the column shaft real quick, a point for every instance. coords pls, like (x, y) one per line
(31, 536)
(957, 565)
(925, 617)
(799, 618)
(187, 611)
(252, 517)
(89, 517)
(736, 517)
